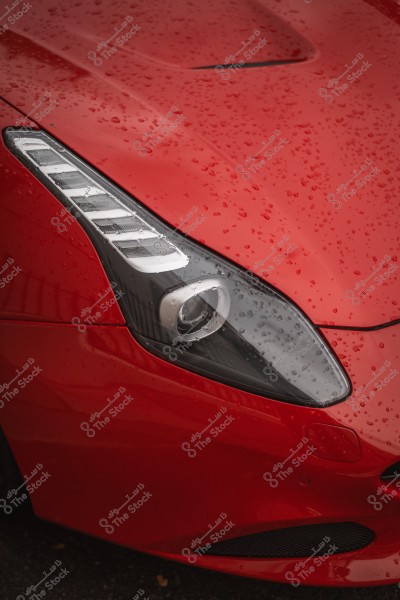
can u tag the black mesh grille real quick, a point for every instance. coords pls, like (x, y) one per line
(391, 472)
(296, 542)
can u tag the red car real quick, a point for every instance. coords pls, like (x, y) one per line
(199, 289)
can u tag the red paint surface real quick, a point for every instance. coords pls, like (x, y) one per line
(101, 112)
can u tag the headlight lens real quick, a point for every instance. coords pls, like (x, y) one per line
(183, 302)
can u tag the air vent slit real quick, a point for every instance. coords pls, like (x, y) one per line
(253, 65)
(296, 542)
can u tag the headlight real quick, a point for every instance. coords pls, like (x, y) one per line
(196, 310)
(183, 302)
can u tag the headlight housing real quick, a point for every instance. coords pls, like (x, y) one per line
(182, 301)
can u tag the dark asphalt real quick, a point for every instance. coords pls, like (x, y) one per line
(102, 571)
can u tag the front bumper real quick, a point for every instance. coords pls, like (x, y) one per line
(136, 464)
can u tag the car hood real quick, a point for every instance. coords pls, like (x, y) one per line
(286, 164)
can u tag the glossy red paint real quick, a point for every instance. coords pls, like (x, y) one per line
(100, 112)
(90, 476)
(103, 109)
(334, 443)
(60, 272)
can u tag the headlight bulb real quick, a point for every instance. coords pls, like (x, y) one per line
(194, 311)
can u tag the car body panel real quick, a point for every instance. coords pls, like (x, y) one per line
(59, 377)
(94, 474)
(57, 272)
(224, 121)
